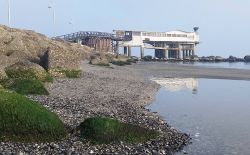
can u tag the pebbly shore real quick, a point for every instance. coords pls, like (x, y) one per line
(117, 92)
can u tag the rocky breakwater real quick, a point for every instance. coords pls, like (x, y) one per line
(25, 45)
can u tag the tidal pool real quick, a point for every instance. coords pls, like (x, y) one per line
(216, 113)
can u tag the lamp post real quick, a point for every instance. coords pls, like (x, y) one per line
(54, 16)
(9, 12)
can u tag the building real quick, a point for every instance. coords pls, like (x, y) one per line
(173, 44)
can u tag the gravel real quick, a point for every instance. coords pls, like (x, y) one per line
(117, 92)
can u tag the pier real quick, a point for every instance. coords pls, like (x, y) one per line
(167, 45)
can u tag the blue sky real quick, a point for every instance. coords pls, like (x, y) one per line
(224, 24)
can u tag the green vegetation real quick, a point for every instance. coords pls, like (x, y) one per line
(23, 120)
(25, 86)
(29, 74)
(120, 62)
(106, 130)
(71, 73)
(102, 64)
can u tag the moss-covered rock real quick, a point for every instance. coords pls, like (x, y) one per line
(23, 120)
(25, 86)
(28, 70)
(106, 130)
(121, 62)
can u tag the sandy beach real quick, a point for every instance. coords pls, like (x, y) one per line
(118, 92)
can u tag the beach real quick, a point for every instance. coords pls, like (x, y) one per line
(120, 92)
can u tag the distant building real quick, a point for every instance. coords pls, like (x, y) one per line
(173, 44)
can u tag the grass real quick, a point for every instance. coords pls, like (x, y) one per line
(44, 77)
(106, 130)
(120, 62)
(23, 120)
(71, 73)
(25, 86)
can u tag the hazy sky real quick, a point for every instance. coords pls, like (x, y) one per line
(224, 24)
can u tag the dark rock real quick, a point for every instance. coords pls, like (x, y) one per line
(247, 58)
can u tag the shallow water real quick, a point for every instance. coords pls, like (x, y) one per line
(236, 65)
(214, 112)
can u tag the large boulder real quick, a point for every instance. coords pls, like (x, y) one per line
(247, 58)
(23, 120)
(24, 45)
(26, 69)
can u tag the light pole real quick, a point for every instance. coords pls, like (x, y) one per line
(54, 16)
(9, 12)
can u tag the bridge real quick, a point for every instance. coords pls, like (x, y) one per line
(167, 45)
(100, 41)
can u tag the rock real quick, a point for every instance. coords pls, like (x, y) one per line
(247, 58)
(147, 58)
(22, 45)
(211, 58)
(99, 59)
(219, 58)
(194, 58)
(26, 69)
(232, 58)
(3, 75)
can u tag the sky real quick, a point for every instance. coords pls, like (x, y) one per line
(224, 24)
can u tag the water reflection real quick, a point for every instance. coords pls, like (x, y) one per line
(216, 117)
(178, 84)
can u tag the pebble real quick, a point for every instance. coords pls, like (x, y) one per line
(121, 93)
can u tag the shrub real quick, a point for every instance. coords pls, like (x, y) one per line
(25, 86)
(23, 120)
(106, 130)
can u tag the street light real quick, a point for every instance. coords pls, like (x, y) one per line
(9, 12)
(54, 15)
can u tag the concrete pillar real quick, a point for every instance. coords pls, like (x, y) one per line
(193, 52)
(129, 51)
(166, 54)
(179, 54)
(142, 52)
(117, 47)
(125, 50)
(186, 53)
(156, 53)
(190, 53)
(79, 41)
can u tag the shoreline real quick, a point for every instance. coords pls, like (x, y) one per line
(118, 92)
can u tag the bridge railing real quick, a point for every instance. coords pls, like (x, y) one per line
(84, 34)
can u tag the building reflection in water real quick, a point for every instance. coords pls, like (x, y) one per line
(178, 84)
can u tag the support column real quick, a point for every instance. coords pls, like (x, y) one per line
(129, 51)
(117, 47)
(79, 41)
(166, 54)
(125, 50)
(193, 53)
(142, 52)
(186, 54)
(190, 53)
(178, 54)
